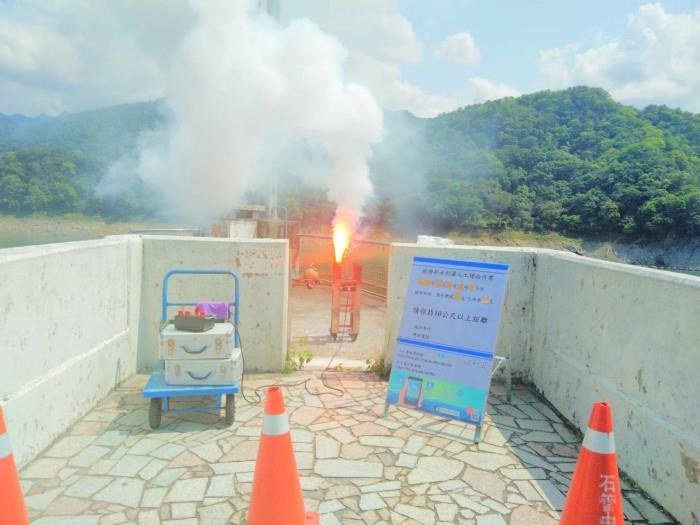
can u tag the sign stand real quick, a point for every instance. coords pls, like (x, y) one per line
(444, 358)
(505, 361)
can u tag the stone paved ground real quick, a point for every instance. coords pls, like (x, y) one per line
(355, 466)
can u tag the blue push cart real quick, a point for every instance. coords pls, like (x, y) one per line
(160, 393)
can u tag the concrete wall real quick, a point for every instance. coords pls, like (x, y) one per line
(64, 335)
(630, 336)
(76, 318)
(263, 267)
(517, 311)
(584, 330)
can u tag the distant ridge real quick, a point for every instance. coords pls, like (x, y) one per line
(573, 161)
(20, 118)
(107, 132)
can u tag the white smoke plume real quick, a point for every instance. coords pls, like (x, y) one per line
(242, 89)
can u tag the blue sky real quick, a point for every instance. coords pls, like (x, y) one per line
(510, 34)
(433, 56)
(424, 56)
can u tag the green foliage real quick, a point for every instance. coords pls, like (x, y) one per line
(305, 203)
(53, 165)
(570, 161)
(379, 367)
(57, 182)
(106, 133)
(295, 361)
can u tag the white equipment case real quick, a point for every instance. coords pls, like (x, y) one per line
(216, 343)
(208, 372)
(201, 358)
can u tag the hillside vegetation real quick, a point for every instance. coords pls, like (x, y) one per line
(568, 161)
(53, 164)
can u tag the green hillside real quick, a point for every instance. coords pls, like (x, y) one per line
(569, 161)
(105, 133)
(53, 164)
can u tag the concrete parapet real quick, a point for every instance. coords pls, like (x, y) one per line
(584, 330)
(263, 266)
(76, 318)
(65, 339)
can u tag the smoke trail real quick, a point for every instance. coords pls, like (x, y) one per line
(242, 90)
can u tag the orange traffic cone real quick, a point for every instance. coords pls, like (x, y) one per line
(277, 497)
(12, 510)
(594, 494)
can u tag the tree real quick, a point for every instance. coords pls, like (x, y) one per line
(572, 160)
(12, 194)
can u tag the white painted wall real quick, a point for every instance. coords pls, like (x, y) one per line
(630, 336)
(64, 335)
(517, 310)
(263, 267)
(585, 330)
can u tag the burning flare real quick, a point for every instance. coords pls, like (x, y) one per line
(341, 240)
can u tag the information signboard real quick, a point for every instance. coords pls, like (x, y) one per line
(444, 352)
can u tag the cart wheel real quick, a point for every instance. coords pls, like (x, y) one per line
(155, 411)
(230, 408)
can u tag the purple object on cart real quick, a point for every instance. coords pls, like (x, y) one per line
(218, 309)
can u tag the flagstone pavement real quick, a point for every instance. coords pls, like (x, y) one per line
(355, 465)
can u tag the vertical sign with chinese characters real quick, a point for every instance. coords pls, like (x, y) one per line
(444, 352)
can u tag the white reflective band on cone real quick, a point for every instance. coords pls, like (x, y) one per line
(5, 449)
(599, 442)
(275, 425)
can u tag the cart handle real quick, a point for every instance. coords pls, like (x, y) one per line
(236, 295)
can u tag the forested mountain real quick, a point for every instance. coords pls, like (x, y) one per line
(679, 127)
(53, 164)
(105, 133)
(572, 161)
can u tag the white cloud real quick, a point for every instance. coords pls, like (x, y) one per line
(481, 89)
(655, 60)
(70, 55)
(29, 100)
(375, 27)
(460, 48)
(66, 55)
(379, 40)
(392, 91)
(395, 93)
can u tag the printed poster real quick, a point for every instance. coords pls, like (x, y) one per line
(444, 352)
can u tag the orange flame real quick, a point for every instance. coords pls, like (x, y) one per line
(341, 240)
